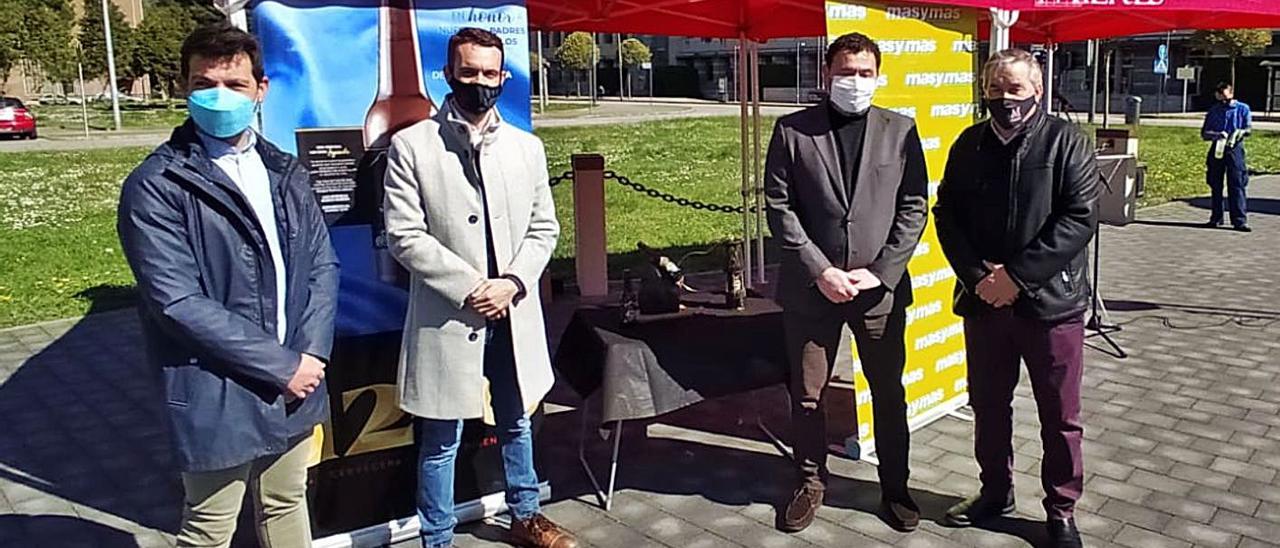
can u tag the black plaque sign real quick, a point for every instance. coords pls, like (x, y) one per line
(333, 156)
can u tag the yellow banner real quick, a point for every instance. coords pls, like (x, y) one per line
(928, 73)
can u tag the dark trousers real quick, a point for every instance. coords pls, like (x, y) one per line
(1053, 352)
(812, 343)
(1232, 168)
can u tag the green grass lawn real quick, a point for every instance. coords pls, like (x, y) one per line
(64, 119)
(58, 248)
(59, 256)
(695, 158)
(1175, 161)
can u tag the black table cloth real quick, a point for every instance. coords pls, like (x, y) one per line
(667, 362)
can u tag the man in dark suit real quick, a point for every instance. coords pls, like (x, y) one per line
(847, 191)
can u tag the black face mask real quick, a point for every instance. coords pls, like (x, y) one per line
(474, 98)
(1012, 114)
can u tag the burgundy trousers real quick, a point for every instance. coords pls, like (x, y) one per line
(998, 342)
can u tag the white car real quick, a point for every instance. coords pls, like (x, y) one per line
(124, 98)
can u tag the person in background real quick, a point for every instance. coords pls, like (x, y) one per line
(1225, 126)
(237, 287)
(1016, 210)
(847, 189)
(469, 214)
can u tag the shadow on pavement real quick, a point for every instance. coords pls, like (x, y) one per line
(82, 423)
(1144, 306)
(41, 530)
(736, 466)
(1171, 224)
(1261, 206)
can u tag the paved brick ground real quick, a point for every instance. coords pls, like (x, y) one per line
(1183, 437)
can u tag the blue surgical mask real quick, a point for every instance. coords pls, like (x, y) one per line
(221, 112)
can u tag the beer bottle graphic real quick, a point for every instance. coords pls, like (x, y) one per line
(401, 102)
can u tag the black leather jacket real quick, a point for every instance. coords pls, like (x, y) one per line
(1035, 215)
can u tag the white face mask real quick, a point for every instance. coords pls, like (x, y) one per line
(852, 94)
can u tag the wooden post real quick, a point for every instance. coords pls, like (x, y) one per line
(589, 224)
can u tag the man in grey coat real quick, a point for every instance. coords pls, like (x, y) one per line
(847, 189)
(469, 215)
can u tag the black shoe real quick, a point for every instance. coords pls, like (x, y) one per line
(1213, 224)
(1063, 533)
(902, 515)
(1242, 228)
(977, 509)
(803, 507)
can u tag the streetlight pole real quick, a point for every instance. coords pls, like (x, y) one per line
(651, 81)
(542, 88)
(1164, 78)
(595, 63)
(111, 65)
(84, 101)
(617, 42)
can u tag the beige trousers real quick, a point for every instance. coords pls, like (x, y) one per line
(279, 485)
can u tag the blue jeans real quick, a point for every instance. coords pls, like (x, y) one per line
(1232, 168)
(438, 441)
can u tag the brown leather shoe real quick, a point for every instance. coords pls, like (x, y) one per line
(802, 509)
(540, 532)
(902, 516)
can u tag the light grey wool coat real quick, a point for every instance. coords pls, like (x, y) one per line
(435, 221)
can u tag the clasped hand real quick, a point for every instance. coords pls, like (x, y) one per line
(839, 286)
(998, 288)
(493, 298)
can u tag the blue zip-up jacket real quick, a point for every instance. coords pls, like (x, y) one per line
(207, 299)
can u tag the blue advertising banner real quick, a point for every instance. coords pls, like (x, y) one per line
(344, 76)
(322, 58)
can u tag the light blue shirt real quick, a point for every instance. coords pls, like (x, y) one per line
(245, 168)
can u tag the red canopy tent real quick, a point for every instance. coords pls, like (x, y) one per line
(1075, 20)
(1035, 21)
(760, 20)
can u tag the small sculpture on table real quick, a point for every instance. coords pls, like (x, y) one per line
(660, 283)
(630, 301)
(735, 290)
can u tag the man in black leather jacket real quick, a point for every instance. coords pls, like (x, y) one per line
(1015, 213)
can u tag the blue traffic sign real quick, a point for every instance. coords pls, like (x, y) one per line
(1162, 60)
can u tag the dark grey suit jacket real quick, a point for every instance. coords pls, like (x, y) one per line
(818, 226)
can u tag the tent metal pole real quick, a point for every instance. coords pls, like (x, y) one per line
(1094, 61)
(754, 67)
(1049, 48)
(1106, 101)
(741, 81)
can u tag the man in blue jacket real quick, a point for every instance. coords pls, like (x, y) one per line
(1225, 126)
(237, 285)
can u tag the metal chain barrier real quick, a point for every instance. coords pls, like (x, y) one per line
(671, 198)
(566, 176)
(656, 194)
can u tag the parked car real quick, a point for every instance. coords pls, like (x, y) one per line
(105, 97)
(16, 119)
(53, 99)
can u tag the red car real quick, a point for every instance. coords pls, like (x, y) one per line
(15, 119)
